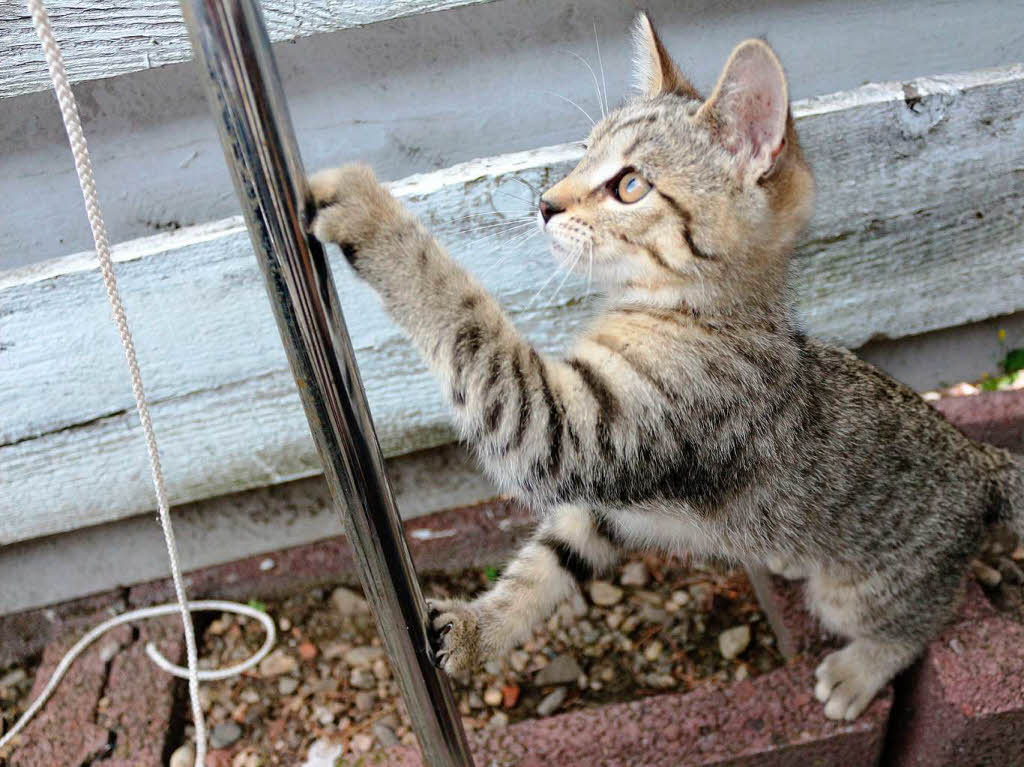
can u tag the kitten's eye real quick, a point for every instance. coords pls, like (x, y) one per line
(631, 187)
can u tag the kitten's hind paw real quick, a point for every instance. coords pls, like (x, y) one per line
(454, 632)
(849, 679)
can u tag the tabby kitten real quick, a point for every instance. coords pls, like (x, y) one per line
(693, 415)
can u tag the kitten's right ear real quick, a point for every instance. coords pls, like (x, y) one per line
(653, 68)
(749, 109)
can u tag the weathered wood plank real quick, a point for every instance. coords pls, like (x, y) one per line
(103, 39)
(921, 199)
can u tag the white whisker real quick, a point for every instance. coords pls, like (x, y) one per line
(600, 66)
(527, 184)
(590, 268)
(561, 264)
(568, 274)
(570, 101)
(514, 197)
(597, 86)
(507, 224)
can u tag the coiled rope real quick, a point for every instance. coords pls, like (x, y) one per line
(83, 166)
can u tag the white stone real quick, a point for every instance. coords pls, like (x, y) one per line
(635, 574)
(183, 756)
(732, 642)
(551, 702)
(605, 594)
(348, 602)
(323, 753)
(277, 663)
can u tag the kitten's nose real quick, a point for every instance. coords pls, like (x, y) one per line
(548, 209)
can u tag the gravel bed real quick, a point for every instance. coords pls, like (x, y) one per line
(328, 690)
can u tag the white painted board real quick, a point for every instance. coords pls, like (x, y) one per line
(918, 227)
(102, 39)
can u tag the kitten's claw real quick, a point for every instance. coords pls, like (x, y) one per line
(454, 634)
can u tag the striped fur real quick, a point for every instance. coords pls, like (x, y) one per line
(693, 415)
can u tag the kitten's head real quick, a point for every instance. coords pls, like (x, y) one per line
(680, 196)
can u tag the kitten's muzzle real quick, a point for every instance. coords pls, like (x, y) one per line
(548, 209)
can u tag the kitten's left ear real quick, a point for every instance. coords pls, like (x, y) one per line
(653, 68)
(749, 108)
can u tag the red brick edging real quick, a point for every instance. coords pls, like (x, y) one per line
(962, 704)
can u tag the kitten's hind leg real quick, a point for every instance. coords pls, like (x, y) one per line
(849, 679)
(570, 546)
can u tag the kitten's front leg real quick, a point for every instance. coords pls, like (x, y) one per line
(569, 547)
(542, 428)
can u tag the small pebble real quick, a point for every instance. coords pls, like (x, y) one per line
(653, 651)
(732, 642)
(551, 702)
(661, 681)
(519, 660)
(13, 678)
(247, 759)
(381, 669)
(493, 667)
(287, 685)
(249, 695)
(562, 670)
(681, 598)
(1017, 555)
(741, 673)
(307, 651)
(385, 735)
(702, 594)
(362, 743)
(635, 574)
(362, 679)
(499, 721)
(348, 602)
(183, 756)
(492, 696)
(219, 626)
(224, 735)
(365, 700)
(605, 594)
(987, 576)
(277, 663)
(956, 646)
(363, 657)
(109, 650)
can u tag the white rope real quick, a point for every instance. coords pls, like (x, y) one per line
(83, 166)
(154, 654)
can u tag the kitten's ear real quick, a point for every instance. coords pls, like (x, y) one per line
(749, 109)
(653, 68)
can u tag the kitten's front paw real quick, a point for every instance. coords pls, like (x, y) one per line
(454, 632)
(352, 208)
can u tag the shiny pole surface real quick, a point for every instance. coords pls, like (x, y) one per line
(232, 50)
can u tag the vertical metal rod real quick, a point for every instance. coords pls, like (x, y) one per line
(231, 47)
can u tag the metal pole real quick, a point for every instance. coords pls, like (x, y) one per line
(231, 47)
